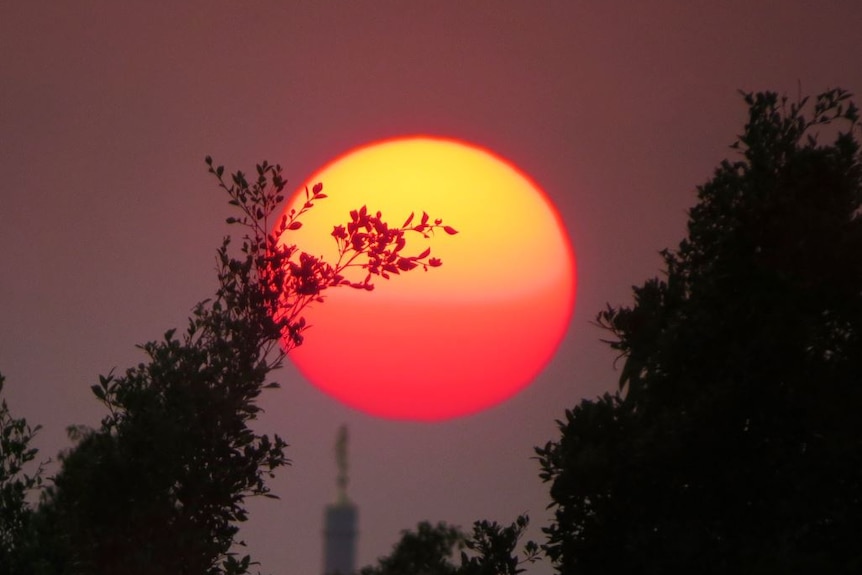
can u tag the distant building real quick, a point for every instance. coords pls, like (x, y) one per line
(340, 534)
(340, 520)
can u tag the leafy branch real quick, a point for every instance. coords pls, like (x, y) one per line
(286, 280)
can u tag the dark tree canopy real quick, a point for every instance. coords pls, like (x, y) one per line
(735, 442)
(160, 486)
(491, 549)
(429, 550)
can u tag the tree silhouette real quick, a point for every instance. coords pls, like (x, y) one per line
(735, 442)
(429, 550)
(160, 486)
(16, 453)
(491, 549)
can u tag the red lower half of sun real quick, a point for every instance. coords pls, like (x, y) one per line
(456, 339)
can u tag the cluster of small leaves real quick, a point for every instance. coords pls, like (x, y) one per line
(288, 279)
(494, 549)
(264, 263)
(368, 242)
(16, 453)
(734, 443)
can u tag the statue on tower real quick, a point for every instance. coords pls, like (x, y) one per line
(341, 460)
(340, 519)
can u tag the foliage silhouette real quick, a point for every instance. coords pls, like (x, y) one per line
(734, 444)
(490, 549)
(16, 453)
(494, 549)
(160, 486)
(427, 551)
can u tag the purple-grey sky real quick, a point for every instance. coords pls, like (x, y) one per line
(109, 222)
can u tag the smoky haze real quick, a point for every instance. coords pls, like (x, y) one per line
(109, 222)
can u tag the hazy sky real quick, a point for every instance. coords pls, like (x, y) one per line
(109, 222)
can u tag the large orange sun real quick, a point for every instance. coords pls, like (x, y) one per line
(456, 339)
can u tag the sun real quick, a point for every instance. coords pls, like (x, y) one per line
(457, 339)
